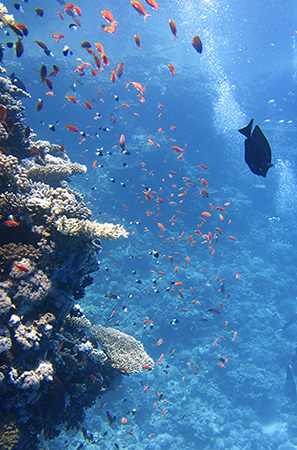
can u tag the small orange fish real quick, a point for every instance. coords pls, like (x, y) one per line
(124, 420)
(162, 413)
(232, 238)
(172, 69)
(71, 98)
(140, 9)
(160, 341)
(215, 342)
(206, 214)
(234, 336)
(11, 223)
(202, 166)
(71, 128)
(173, 28)
(107, 16)
(153, 4)
(237, 274)
(137, 41)
(88, 105)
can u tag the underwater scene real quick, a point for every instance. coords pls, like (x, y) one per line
(148, 192)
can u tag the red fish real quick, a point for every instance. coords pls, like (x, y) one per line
(71, 128)
(24, 269)
(11, 223)
(172, 69)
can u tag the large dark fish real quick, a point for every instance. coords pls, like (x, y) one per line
(257, 150)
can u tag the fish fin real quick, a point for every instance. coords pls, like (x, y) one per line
(247, 130)
(259, 136)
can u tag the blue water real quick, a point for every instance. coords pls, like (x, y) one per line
(247, 69)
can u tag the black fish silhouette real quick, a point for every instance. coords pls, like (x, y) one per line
(257, 150)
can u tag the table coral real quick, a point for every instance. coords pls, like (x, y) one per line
(125, 350)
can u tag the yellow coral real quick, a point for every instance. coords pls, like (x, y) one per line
(89, 229)
(10, 435)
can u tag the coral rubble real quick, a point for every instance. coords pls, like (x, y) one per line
(48, 248)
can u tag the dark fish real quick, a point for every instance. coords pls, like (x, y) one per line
(84, 432)
(19, 48)
(43, 72)
(290, 386)
(9, 44)
(1, 54)
(48, 83)
(39, 105)
(39, 12)
(16, 81)
(197, 44)
(257, 150)
(110, 417)
(17, 6)
(214, 310)
(112, 118)
(27, 132)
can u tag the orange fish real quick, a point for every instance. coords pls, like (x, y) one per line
(172, 69)
(202, 166)
(11, 223)
(161, 226)
(153, 4)
(107, 16)
(137, 41)
(160, 341)
(105, 59)
(173, 28)
(71, 98)
(232, 238)
(219, 230)
(206, 214)
(181, 294)
(160, 359)
(88, 105)
(140, 9)
(215, 342)
(162, 413)
(234, 336)
(71, 128)
(99, 47)
(113, 76)
(124, 420)
(237, 274)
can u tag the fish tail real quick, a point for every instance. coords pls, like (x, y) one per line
(247, 130)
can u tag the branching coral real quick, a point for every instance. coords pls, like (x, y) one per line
(125, 350)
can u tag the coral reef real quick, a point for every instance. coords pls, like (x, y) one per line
(127, 353)
(48, 249)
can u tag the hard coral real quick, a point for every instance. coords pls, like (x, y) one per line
(125, 350)
(90, 230)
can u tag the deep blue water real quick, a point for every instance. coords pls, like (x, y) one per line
(247, 70)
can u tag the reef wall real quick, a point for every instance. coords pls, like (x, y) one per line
(50, 366)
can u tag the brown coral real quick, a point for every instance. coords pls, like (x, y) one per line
(122, 348)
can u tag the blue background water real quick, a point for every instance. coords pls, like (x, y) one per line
(247, 69)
